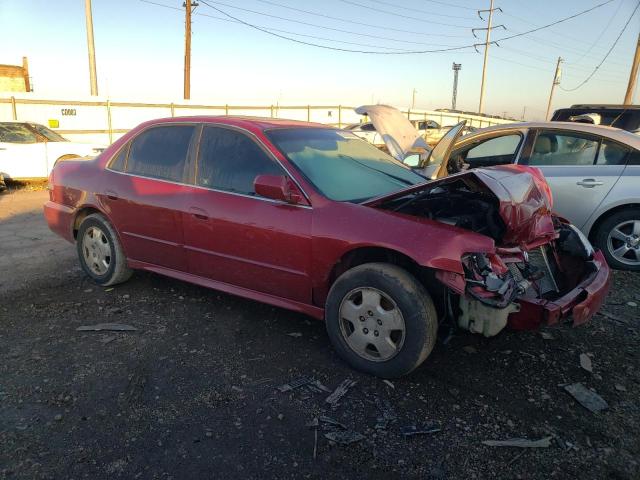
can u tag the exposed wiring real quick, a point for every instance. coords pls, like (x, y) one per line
(595, 70)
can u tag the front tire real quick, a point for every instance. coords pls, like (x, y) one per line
(381, 320)
(100, 252)
(618, 236)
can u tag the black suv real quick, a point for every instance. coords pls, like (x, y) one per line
(625, 117)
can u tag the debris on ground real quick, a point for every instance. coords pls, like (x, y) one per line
(294, 334)
(585, 362)
(344, 437)
(389, 383)
(113, 327)
(632, 304)
(620, 388)
(311, 384)
(411, 430)
(587, 398)
(340, 391)
(297, 383)
(546, 335)
(470, 349)
(519, 443)
(388, 414)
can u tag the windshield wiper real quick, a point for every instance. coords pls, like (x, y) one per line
(400, 179)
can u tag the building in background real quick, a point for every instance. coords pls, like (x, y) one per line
(15, 78)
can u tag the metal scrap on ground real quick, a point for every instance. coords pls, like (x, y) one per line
(114, 327)
(310, 383)
(588, 399)
(345, 437)
(411, 430)
(519, 442)
(340, 391)
(585, 362)
(387, 411)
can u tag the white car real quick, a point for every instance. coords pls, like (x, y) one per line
(30, 150)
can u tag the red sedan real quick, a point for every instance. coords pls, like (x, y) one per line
(314, 219)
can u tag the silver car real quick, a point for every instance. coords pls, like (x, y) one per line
(593, 172)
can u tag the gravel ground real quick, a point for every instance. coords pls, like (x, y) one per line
(192, 393)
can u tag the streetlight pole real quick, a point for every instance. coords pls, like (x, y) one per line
(456, 68)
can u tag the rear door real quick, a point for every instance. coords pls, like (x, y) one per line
(580, 168)
(144, 194)
(233, 235)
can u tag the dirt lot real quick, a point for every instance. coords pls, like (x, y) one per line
(192, 393)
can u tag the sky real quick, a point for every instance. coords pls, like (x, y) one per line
(140, 51)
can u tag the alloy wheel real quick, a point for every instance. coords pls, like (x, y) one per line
(96, 250)
(623, 242)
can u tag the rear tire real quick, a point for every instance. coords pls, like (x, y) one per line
(618, 236)
(100, 252)
(381, 320)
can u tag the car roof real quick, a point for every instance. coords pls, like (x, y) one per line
(611, 132)
(247, 122)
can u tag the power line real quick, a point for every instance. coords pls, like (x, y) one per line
(447, 49)
(452, 5)
(349, 2)
(605, 57)
(419, 10)
(322, 15)
(548, 25)
(284, 31)
(327, 47)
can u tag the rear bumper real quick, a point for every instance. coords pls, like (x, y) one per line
(582, 302)
(60, 219)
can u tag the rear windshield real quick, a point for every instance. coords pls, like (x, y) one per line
(342, 166)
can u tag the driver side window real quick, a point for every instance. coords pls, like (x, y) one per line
(493, 151)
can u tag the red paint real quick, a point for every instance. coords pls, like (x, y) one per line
(284, 252)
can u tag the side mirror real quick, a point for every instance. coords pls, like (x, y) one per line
(278, 187)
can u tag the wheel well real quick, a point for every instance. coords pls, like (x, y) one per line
(603, 217)
(80, 216)
(359, 256)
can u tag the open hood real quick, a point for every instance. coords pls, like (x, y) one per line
(510, 203)
(402, 139)
(397, 132)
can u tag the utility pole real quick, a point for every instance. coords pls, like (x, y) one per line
(487, 42)
(524, 110)
(93, 78)
(556, 81)
(413, 99)
(456, 68)
(633, 75)
(187, 47)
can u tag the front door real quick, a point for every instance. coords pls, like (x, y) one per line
(234, 236)
(580, 168)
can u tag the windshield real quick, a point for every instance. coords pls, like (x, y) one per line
(50, 135)
(342, 166)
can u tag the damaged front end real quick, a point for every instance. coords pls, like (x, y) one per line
(541, 269)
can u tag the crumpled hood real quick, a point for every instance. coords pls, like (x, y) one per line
(524, 199)
(397, 132)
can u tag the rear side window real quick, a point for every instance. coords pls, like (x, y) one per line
(161, 152)
(119, 162)
(612, 153)
(231, 161)
(562, 149)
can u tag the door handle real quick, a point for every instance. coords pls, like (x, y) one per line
(199, 213)
(111, 195)
(589, 183)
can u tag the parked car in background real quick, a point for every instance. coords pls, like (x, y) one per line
(625, 117)
(593, 172)
(314, 219)
(430, 130)
(30, 150)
